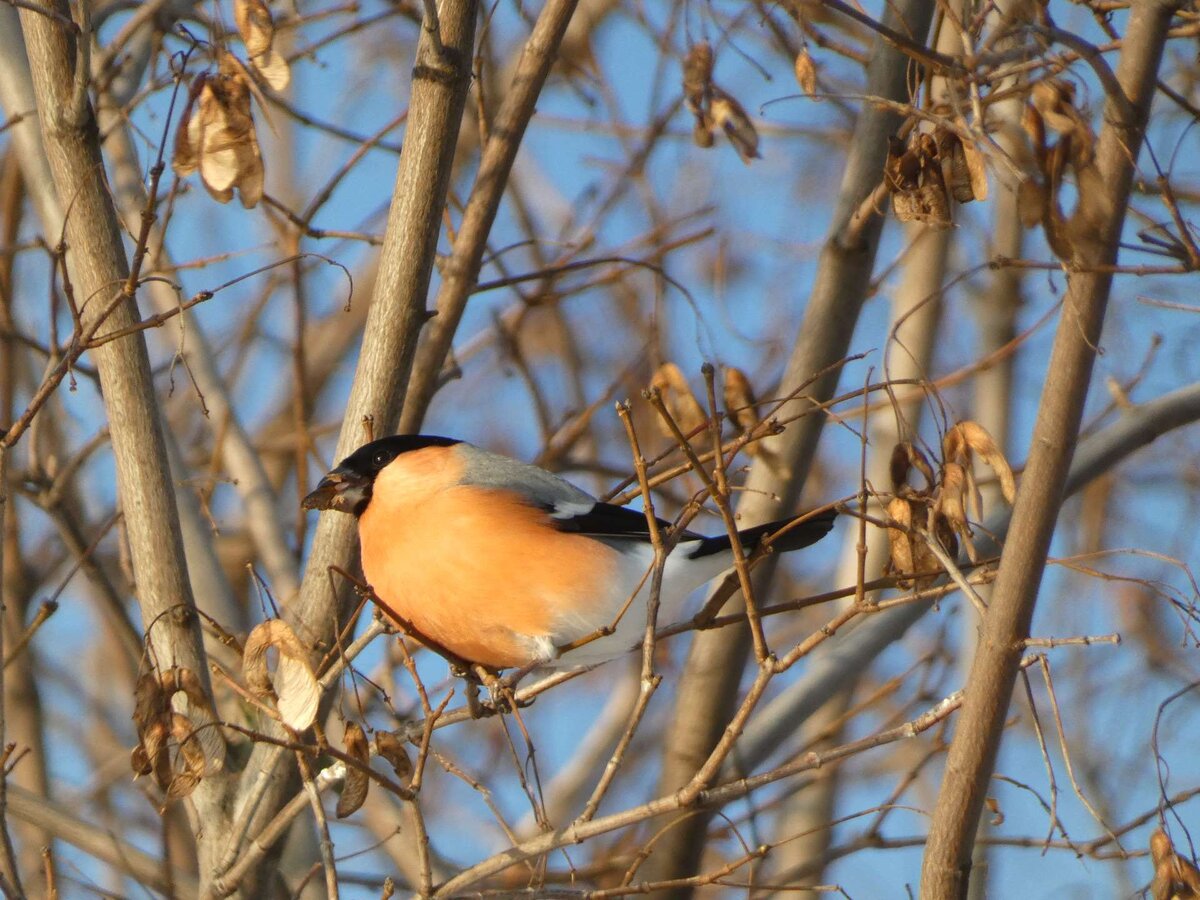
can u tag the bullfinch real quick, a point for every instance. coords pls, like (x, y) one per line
(504, 563)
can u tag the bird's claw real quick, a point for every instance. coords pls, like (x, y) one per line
(501, 698)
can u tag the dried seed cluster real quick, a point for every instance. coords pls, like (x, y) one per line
(217, 135)
(388, 746)
(177, 748)
(715, 108)
(1175, 876)
(940, 508)
(741, 405)
(930, 171)
(1050, 112)
(294, 687)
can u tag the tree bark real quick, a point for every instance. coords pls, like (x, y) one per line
(462, 268)
(1095, 232)
(441, 78)
(439, 92)
(912, 335)
(712, 677)
(99, 271)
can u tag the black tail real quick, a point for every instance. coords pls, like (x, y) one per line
(802, 535)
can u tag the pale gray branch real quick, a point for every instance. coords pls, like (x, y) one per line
(61, 822)
(99, 272)
(1094, 233)
(834, 303)
(461, 270)
(394, 321)
(238, 456)
(841, 658)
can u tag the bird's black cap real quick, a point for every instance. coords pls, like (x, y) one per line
(347, 488)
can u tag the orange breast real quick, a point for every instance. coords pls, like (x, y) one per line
(481, 573)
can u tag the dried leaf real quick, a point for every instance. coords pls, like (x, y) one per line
(951, 507)
(681, 403)
(149, 702)
(740, 403)
(191, 760)
(954, 165)
(1054, 223)
(354, 792)
(200, 713)
(900, 169)
(258, 34)
(273, 68)
(1052, 110)
(1175, 878)
(1031, 202)
(968, 438)
(152, 755)
(218, 136)
(946, 537)
(298, 692)
(697, 91)
(223, 125)
(294, 686)
(898, 466)
(391, 748)
(200, 747)
(973, 497)
(910, 553)
(926, 204)
(905, 458)
(1054, 100)
(1035, 127)
(728, 115)
(697, 77)
(806, 72)
(187, 136)
(139, 761)
(900, 511)
(913, 175)
(993, 806)
(976, 170)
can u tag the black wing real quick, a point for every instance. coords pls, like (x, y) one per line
(606, 520)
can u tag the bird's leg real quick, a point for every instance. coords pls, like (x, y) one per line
(469, 673)
(503, 698)
(474, 707)
(488, 678)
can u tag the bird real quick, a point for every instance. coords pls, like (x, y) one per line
(504, 564)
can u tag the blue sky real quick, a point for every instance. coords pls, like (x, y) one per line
(770, 218)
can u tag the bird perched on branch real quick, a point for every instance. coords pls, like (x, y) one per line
(503, 564)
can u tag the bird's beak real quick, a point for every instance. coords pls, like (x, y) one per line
(342, 490)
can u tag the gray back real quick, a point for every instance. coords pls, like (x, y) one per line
(543, 488)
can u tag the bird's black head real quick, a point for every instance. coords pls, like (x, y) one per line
(348, 487)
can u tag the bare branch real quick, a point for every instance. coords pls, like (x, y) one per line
(1097, 230)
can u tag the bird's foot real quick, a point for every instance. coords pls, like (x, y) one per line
(502, 699)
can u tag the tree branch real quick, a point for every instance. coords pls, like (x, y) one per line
(829, 668)
(1095, 234)
(461, 271)
(771, 491)
(98, 842)
(8, 862)
(99, 270)
(397, 313)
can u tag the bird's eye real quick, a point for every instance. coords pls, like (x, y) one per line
(381, 458)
